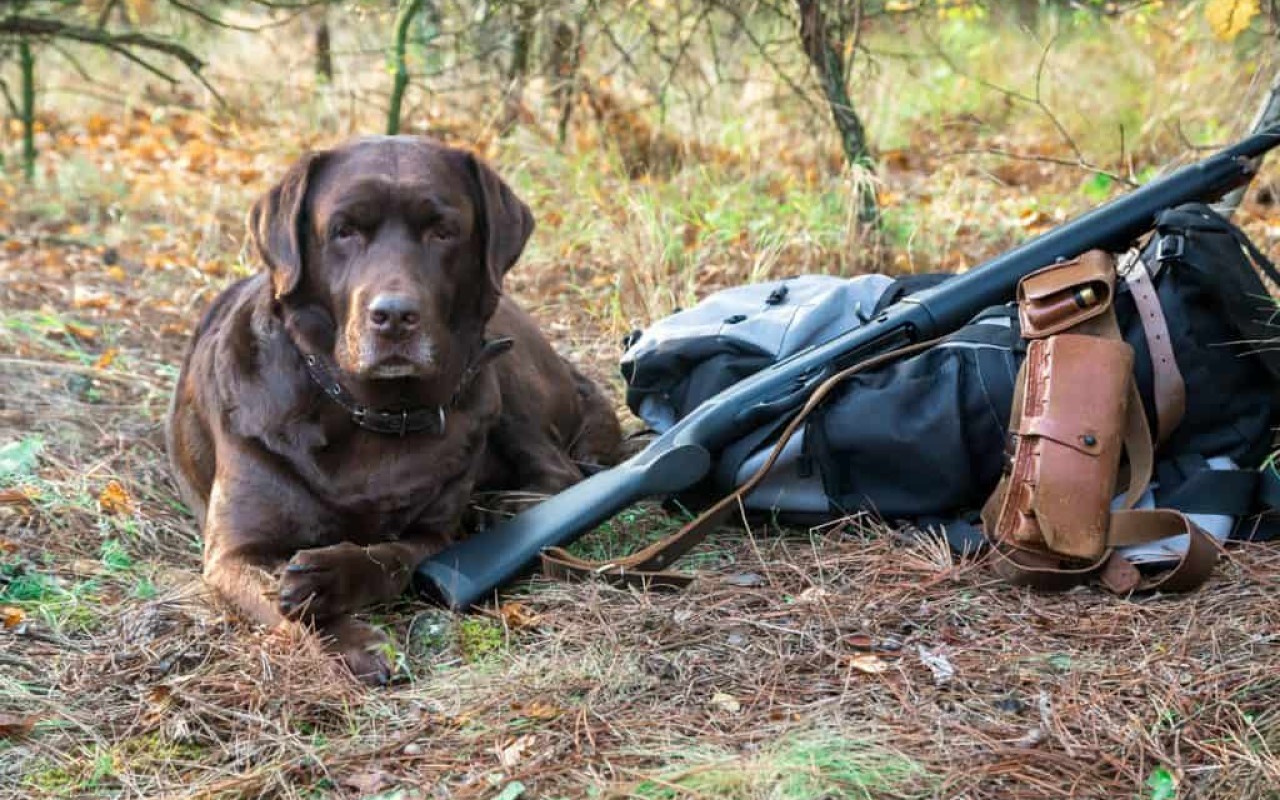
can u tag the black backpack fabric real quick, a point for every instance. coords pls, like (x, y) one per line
(923, 439)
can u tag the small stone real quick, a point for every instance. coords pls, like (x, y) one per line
(413, 749)
(1010, 705)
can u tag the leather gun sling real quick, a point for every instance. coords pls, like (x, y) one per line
(645, 568)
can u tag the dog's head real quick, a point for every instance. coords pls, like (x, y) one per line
(389, 253)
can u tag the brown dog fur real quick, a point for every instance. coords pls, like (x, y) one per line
(307, 517)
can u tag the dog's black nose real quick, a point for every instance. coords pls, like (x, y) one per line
(393, 314)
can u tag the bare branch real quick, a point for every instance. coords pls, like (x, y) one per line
(122, 43)
(1062, 162)
(196, 11)
(729, 7)
(8, 99)
(51, 29)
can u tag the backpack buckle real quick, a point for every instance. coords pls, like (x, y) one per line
(1171, 246)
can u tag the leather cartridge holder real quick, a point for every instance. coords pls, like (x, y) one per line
(1076, 413)
(1069, 441)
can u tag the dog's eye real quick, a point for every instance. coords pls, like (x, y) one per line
(345, 231)
(443, 231)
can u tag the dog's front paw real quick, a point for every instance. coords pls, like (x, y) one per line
(363, 648)
(321, 584)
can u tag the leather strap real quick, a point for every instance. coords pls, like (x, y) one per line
(1043, 571)
(645, 568)
(1168, 386)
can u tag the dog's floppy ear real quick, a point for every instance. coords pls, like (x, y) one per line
(507, 222)
(278, 225)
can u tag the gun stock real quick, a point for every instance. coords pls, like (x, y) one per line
(682, 456)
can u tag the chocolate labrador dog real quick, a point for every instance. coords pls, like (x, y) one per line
(336, 412)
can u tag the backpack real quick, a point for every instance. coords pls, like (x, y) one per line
(923, 440)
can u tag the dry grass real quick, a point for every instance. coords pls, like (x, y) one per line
(850, 661)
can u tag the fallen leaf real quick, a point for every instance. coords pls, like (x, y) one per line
(518, 615)
(813, 594)
(81, 332)
(159, 701)
(369, 781)
(115, 499)
(84, 297)
(14, 496)
(938, 664)
(12, 617)
(540, 709)
(726, 702)
(862, 641)
(106, 358)
(745, 579)
(514, 752)
(116, 273)
(13, 726)
(872, 665)
(1032, 218)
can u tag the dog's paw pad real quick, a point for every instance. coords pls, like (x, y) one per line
(369, 666)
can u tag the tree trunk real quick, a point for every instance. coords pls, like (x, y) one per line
(518, 72)
(324, 52)
(827, 58)
(407, 12)
(566, 57)
(27, 62)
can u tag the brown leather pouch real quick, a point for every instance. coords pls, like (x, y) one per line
(1063, 295)
(1070, 434)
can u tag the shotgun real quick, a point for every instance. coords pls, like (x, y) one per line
(682, 456)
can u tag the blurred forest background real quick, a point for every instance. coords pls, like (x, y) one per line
(667, 148)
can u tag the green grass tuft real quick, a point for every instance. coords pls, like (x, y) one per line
(800, 767)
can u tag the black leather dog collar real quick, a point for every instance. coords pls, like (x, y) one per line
(399, 423)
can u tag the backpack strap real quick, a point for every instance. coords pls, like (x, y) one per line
(1169, 388)
(648, 568)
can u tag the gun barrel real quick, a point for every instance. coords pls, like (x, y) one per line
(682, 456)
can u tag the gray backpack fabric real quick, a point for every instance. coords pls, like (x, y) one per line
(692, 355)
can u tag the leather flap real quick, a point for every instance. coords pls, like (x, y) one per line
(1061, 296)
(1070, 439)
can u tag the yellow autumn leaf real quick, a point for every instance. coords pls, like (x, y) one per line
(12, 617)
(517, 615)
(115, 499)
(106, 358)
(81, 332)
(541, 710)
(1228, 18)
